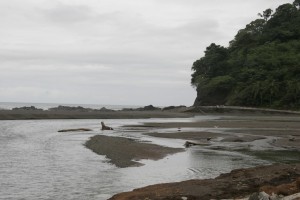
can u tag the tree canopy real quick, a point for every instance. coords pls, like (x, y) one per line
(261, 66)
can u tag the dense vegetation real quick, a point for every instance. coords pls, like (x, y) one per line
(261, 66)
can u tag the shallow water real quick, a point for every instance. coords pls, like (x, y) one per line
(37, 162)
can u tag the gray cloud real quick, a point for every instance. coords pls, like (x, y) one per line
(112, 51)
(66, 14)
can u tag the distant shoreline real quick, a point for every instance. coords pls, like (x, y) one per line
(65, 112)
(39, 115)
(46, 106)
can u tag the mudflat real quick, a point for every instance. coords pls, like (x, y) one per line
(267, 136)
(282, 131)
(126, 152)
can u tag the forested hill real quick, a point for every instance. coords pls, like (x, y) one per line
(260, 68)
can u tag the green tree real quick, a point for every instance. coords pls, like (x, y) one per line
(212, 64)
(261, 66)
(266, 14)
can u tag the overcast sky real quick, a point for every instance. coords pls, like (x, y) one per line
(124, 52)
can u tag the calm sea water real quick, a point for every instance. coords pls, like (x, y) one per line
(37, 162)
(46, 106)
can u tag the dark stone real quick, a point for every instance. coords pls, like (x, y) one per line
(106, 110)
(210, 98)
(148, 108)
(28, 108)
(173, 107)
(70, 108)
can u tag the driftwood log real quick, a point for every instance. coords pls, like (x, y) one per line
(75, 129)
(189, 143)
(105, 127)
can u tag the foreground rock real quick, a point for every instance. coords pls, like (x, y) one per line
(283, 189)
(265, 196)
(236, 184)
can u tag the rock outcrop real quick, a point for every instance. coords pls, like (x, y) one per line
(146, 108)
(237, 184)
(70, 108)
(27, 108)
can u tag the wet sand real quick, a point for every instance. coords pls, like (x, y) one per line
(125, 152)
(277, 133)
(258, 122)
(225, 133)
(24, 115)
(285, 130)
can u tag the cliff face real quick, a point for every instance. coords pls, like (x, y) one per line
(212, 98)
(260, 68)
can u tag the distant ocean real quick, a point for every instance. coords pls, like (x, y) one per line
(46, 106)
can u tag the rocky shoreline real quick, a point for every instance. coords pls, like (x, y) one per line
(150, 111)
(67, 112)
(238, 184)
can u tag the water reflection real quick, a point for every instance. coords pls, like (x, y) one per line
(206, 163)
(37, 162)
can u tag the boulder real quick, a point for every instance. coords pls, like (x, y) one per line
(284, 189)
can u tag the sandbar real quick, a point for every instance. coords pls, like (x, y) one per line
(126, 152)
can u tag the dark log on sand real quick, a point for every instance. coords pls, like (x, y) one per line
(75, 130)
(189, 144)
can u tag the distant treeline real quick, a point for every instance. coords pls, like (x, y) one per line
(261, 66)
